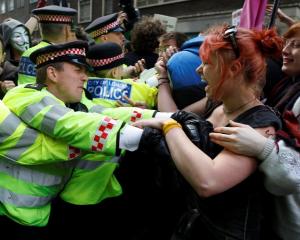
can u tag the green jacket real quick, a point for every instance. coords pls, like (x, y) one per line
(33, 170)
(86, 131)
(93, 179)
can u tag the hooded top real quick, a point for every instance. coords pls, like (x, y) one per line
(187, 84)
(6, 29)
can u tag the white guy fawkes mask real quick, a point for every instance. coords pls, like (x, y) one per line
(20, 39)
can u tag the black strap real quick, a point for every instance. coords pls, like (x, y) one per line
(36, 86)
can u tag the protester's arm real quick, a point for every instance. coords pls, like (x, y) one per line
(206, 175)
(31, 24)
(281, 15)
(197, 107)
(281, 166)
(239, 138)
(165, 101)
(280, 163)
(33, 21)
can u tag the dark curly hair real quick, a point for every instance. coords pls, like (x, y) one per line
(145, 34)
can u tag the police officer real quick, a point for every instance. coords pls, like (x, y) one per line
(61, 73)
(56, 27)
(107, 88)
(107, 29)
(34, 169)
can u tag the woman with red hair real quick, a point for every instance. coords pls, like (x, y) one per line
(279, 157)
(225, 201)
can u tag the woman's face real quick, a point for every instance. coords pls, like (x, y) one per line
(291, 56)
(210, 73)
(20, 39)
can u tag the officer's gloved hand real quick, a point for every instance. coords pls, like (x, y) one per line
(183, 116)
(198, 132)
(196, 128)
(153, 142)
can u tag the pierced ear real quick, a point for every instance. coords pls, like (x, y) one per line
(52, 74)
(114, 72)
(103, 37)
(236, 67)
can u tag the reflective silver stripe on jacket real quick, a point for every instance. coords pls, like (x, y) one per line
(91, 165)
(51, 117)
(29, 175)
(8, 126)
(21, 200)
(33, 109)
(26, 141)
(97, 109)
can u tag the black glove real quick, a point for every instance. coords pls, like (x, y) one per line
(198, 131)
(153, 142)
(196, 128)
(183, 116)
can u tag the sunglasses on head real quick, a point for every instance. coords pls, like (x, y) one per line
(230, 34)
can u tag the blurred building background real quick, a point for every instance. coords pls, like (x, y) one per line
(193, 16)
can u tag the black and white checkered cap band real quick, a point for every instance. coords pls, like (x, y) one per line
(104, 62)
(105, 29)
(55, 18)
(51, 56)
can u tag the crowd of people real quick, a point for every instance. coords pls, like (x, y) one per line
(160, 137)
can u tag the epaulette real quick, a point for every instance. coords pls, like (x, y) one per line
(36, 86)
(77, 107)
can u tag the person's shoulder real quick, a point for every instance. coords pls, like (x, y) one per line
(10, 71)
(8, 66)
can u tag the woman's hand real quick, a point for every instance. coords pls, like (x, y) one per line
(7, 85)
(239, 138)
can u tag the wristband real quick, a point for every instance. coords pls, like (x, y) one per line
(170, 124)
(161, 83)
(163, 78)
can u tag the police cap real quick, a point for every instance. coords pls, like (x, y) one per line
(104, 25)
(54, 14)
(105, 56)
(72, 52)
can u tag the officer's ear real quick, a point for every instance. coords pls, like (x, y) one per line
(103, 37)
(52, 75)
(70, 35)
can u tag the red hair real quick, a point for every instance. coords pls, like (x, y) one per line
(254, 46)
(293, 30)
